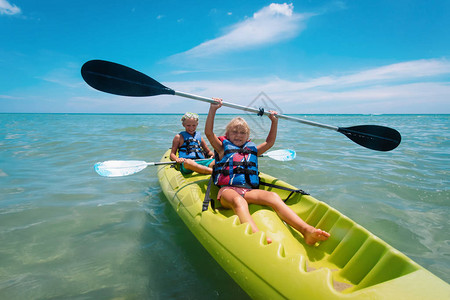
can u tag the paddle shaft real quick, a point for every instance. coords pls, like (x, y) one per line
(255, 110)
(169, 162)
(120, 80)
(268, 154)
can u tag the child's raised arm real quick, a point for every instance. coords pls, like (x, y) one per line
(272, 136)
(209, 126)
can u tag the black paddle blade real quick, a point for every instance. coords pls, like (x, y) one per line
(120, 80)
(373, 136)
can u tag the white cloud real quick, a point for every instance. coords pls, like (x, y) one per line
(7, 9)
(271, 24)
(420, 86)
(399, 72)
(8, 97)
(66, 76)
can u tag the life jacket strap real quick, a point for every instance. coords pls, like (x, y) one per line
(190, 148)
(237, 163)
(237, 171)
(241, 151)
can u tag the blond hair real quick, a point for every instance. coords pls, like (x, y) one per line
(238, 123)
(189, 115)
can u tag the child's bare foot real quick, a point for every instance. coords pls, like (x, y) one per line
(314, 235)
(268, 239)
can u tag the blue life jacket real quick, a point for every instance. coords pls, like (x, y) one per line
(238, 166)
(191, 147)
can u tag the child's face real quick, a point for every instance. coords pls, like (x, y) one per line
(238, 136)
(190, 125)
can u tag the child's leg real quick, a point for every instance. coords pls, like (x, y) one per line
(192, 165)
(231, 199)
(261, 197)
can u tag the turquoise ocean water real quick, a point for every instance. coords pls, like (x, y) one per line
(67, 233)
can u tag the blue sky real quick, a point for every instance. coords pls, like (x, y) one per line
(307, 56)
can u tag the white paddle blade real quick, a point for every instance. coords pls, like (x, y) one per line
(281, 155)
(117, 168)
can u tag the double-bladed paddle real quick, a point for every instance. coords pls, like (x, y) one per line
(117, 79)
(117, 168)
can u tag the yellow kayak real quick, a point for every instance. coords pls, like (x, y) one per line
(352, 264)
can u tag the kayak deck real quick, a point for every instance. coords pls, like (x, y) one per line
(352, 264)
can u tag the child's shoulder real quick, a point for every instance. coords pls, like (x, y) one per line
(179, 137)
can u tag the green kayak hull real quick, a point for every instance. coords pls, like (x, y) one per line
(352, 264)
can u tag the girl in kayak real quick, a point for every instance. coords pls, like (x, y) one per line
(236, 173)
(190, 145)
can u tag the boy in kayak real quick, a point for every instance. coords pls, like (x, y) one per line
(236, 173)
(190, 145)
